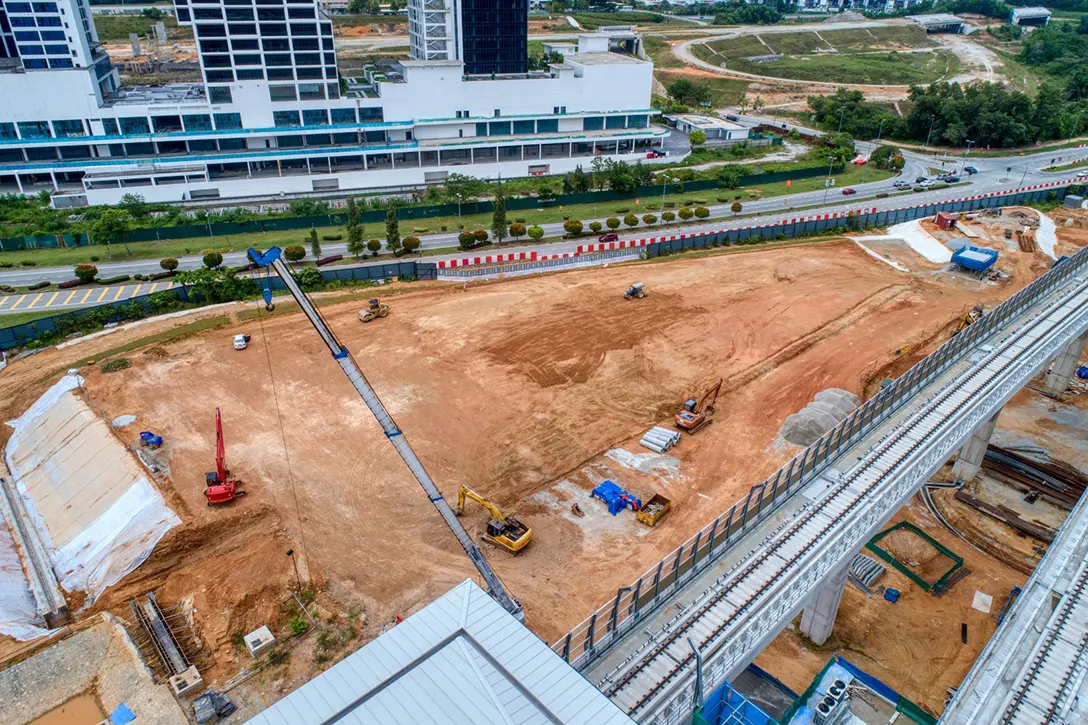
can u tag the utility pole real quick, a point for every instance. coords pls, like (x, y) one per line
(876, 145)
(931, 120)
(1024, 176)
(827, 182)
(965, 154)
(841, 112)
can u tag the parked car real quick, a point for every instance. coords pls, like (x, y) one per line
(860, 161)
(608, 237)
(848, 191)
(656, 154)
(920, 179)
(951, 179)
(970, 170)
(926, 183)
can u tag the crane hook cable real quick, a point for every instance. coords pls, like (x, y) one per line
(283, 437)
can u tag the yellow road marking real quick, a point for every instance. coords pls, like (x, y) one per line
(50, 300)
(22, 298)
(35, 300)
(135, 291)
(103, 294)
(69, 297)
(152, 290)
(86, 296)
(5, 300)
(119, 291)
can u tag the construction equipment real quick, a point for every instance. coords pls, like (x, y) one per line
(969, 318)
(504, 531)
(219, 487)
(272, 258)
(637, 291)
(150, 440)
(696, 415)
(654, 510)
(376, 310)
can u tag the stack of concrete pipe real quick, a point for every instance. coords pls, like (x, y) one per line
(866, 569)
(659, 439)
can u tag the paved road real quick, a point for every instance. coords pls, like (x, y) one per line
(992, 176)
(61, 300)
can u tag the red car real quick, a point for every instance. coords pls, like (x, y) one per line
(848, 192)
(609, 237)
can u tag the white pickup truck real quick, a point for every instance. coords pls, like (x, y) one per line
(240, 342)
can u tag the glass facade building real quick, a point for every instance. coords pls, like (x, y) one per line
(494, 36)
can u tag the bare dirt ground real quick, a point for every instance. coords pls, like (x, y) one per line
(528, 390)
(913, 645)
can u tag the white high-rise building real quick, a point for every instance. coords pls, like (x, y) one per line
(432, 29)
(273, 115)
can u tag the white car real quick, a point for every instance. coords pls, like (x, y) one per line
(240, 342)
(927, 183)
(1082, 174)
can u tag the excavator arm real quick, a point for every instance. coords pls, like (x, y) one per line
(465, 492)
(396, 437)
(709, 397)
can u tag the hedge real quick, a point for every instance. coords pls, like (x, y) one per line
(329, 259)
(114, 280)
(39, 285)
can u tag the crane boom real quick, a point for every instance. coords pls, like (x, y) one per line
(343, 358)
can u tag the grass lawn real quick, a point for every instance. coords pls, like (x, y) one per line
(723, 91)
(742, 46)
(1060, 168)
(658, 50)
(241, 242)
(795, 43)
(870, 68)
(18, 318)
(115, 28)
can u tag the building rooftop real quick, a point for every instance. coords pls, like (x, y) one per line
(935, 19)
(602, 59)
(1031, 12)
(699, 120)
(461, 659)
(171, 93)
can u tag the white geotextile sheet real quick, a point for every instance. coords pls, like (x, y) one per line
(18, 614)
(79, 482)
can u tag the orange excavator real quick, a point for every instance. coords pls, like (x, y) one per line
(698, 414)
(219, 487)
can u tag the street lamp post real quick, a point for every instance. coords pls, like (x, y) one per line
(966, 152)
(1024, 176)
(931, 120)
(841, 112)
(459, 227)
(827, 182)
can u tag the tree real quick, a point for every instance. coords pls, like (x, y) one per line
(612, 223)
(392, 230)
(466, 239)
(517, 230)
(465, 187)
(315, 244)
(294, 253)
(354, 228)
(86, 272)
(218, 285)
(112, 227)
(630, 220)
(309, 277)
(411, 244)
(357, 247)
(667, 216)
(135, 205)
(729, 176)
(757, 105)
(363, 7)
(697, 137)
(498, 216)
(573, 227)
(481, 235)
(212, 259)
(596, 227)
(686, 213)
(736, 207)
(649, 219)
(536, 233)
(375, 246)
(689, 93)
(702, 212)
(169, 264)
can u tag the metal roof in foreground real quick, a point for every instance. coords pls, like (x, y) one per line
(461, 660)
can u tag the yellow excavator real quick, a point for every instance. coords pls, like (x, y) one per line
(504, 531)
(697, 414)
(969, 318)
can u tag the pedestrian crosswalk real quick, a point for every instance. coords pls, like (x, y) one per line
(78, 297)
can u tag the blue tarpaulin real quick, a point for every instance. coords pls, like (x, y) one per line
(616, 498)
(977, 258)
(122, 715)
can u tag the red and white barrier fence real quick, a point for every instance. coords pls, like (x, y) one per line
(633, 243)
